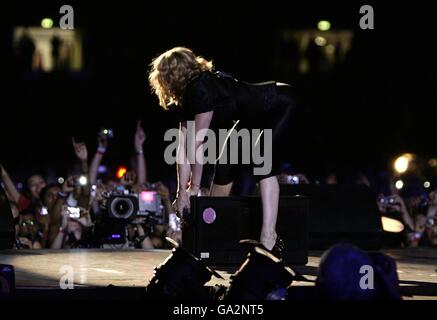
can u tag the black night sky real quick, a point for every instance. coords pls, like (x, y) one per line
(378, 102)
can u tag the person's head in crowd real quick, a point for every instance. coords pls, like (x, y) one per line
(34, 184)
(348, 273)
(49, 195)
(331, 178)
(29, 228)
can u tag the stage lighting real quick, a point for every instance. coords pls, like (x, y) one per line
(402, 163)
(391, 225)
(426, 184)
(61, 180)
(121, 171)
(324, 25)
(399, 184)
(46, 23)
(180, 276)
(320, 41)
(261, 277)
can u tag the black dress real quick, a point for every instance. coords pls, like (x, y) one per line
(237, 103)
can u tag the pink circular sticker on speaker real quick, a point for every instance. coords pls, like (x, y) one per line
(209, 215)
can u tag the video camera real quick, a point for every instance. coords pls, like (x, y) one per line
(128, 206)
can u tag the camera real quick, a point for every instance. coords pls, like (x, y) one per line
(128, 206)
(387, 200)
(292, 179)
(81, 181)
(74, 212)
(106, 133)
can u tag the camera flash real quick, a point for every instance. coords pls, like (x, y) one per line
(83, 181)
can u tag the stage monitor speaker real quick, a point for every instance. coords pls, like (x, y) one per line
(217, 224)
(340, 213)
(7, 230)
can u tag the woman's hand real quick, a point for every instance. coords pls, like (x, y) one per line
(182, 202)
(193, 191)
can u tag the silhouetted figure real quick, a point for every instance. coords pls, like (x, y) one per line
(26, 51)
(56, 48)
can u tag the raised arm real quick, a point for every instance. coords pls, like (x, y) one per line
(10, 188)
(97, 159)
(140, 137)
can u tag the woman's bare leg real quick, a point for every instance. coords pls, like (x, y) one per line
(220, 190)
(270, 200)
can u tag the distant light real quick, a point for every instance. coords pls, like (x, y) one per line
(330, 49)
(19, 186)
(399, 184)
(320, 41)
(121, 171)
(427, 184)
(46, 23)
(83, 181)
(61, 180)
(324, 25)
(105, 131)
(433, 162)
(391, 225)
(402, 163)
(102, 169)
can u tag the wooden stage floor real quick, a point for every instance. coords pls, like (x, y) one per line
(133, 268)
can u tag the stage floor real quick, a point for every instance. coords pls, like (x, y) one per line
(133, 268)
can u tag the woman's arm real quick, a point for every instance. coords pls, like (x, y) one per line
(201, 122)
(183, 166)
(183, 171)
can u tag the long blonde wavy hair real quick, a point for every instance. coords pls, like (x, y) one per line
(171, 71)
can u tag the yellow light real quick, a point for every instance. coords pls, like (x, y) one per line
(391, 225)
(433, 162)
(330, 49)
(427, 184)
(320, 41)
(324, 25)
(121, 171)
(46, 23)
(399, 184)
(402, 163)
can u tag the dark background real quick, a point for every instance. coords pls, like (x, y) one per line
(381, 101)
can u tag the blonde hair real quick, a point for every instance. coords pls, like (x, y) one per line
(172, 70)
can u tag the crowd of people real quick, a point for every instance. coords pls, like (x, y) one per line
(73, 212)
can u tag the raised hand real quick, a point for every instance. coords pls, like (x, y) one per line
(80, 150)
(140, 137)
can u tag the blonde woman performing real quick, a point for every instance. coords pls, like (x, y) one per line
(214, 100)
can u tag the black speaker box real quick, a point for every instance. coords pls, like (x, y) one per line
(7, 230)
(340, 213)
(217, 224)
